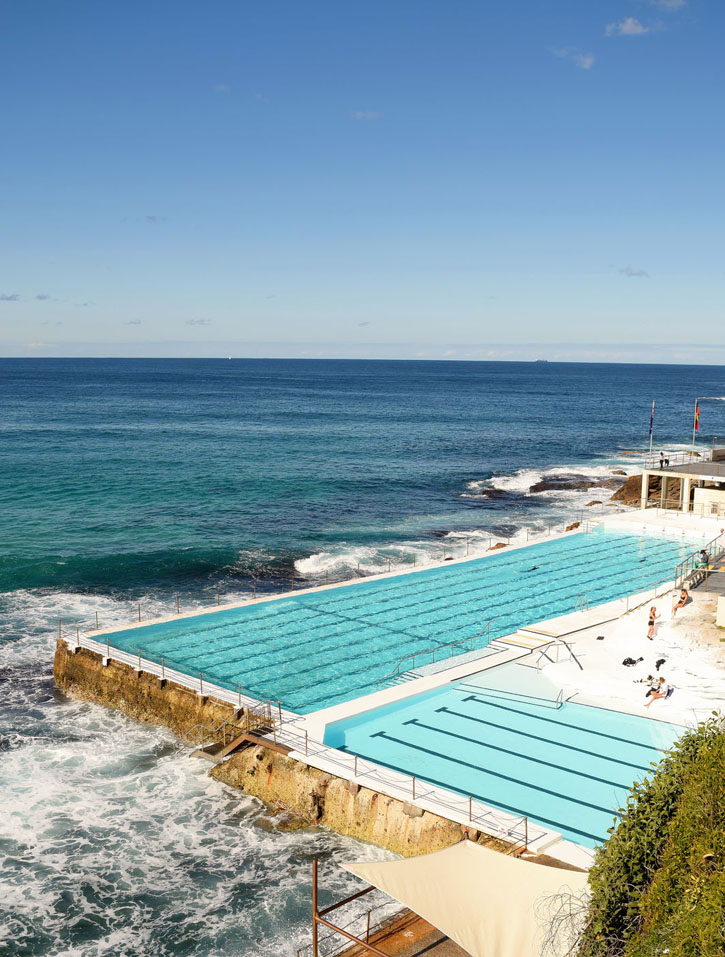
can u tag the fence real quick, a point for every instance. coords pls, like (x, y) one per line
(671, 459)
(289, 730)
(435, 651)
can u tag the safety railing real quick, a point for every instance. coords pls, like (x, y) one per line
(695, 560)
(289, 730)
(671, 459)
(436, 650)
(711, 509)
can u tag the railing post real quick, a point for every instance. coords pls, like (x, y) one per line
(218, 597)
(108, 647)
(201, 684)
(139, 611)
(239, 695)
(470, 808)
(139, 659)
(367, 932)
(177, 604)
(59, 629)
(255, 591)
(388, 566)
(305, 740)
(279, 709)
(96, 621)
(162, 669)
(293, 582)
(355, 768)
(413, 559)
(414, 787)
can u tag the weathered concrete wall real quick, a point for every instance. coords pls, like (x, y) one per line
(140, 696)
(283, 784)
(316, 797)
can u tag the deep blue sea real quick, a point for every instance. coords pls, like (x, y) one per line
(127, 481)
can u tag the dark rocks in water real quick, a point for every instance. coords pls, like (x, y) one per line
(448, 559)
(440, 532)
(492, 493)
(618, 472)
(572, 483)
(593, 502)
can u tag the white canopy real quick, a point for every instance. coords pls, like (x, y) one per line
(490, 904)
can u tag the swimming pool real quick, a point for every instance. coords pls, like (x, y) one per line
(318, 649)
(568, 768)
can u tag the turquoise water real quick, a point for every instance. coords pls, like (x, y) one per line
(569, 768)
(313, 650)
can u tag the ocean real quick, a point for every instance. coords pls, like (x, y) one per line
(137, 481)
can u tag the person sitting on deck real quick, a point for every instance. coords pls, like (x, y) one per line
(663, 691)
(684, 598)
(702, 560)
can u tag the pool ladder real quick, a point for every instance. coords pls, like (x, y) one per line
(582, 603)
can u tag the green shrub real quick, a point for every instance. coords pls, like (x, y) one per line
(657, 884)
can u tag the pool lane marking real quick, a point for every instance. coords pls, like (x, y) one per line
(564, 724)
(496, 774)
(518, 754)
(494, 803)
(537, 737)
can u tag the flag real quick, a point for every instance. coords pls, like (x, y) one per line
(697, 416)
(652, 420)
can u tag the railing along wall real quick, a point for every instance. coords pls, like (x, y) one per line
(289, 731)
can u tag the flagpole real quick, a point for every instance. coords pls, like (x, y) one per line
(651, 426)
(694, 423)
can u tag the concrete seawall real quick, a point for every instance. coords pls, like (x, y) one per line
(309, 795)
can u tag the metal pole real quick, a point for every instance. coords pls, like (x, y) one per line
(162, 669)
(139, 659)
(218, 597)
(255, 590)
(59, 629)
(108, 647)
(239, 695)
(355, 771)
(293, 581)
(96, 621)
(326, 581)
(279, 709)
(139, 611)
(315, 952)
(466, 548)
(358, 569)
(694, 414)
(470, 808)
(177, 604)
(413, 559)
(367, 932)
(305, 741)
(201, 684)
(388, 566)
(414, 787)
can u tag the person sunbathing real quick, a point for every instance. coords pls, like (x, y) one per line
(663, 691)
(684, 598)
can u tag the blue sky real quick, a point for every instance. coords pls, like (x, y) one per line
(459, 179)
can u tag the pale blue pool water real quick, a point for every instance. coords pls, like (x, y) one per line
(569, 769)
(314, 650)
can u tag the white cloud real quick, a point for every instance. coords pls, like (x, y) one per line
(365, 115)
(221, 88)
(629, 27)
(632, 273)
(585, 61)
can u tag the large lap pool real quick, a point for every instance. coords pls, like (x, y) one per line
(318, 649)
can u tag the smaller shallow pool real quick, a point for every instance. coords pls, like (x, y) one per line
(566, 766)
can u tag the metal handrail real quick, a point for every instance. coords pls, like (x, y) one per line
(677, 458)
(687, 565)
(427, 651)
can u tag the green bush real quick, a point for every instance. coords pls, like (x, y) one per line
(658, 884)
